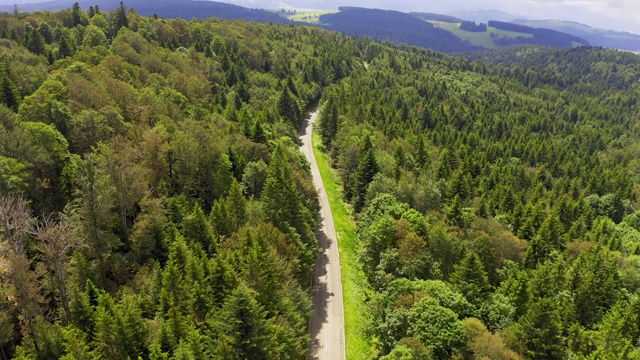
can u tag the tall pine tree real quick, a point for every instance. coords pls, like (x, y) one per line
(366, 170)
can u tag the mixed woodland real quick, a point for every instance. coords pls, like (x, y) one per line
(496, 200)
(153, 200)
(154, 204)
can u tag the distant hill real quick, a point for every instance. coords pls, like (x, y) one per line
(436, 17)
(399, 27)
(497, 34)
(595, 36)
(185, 9)
(544, 37)
(484, 16)
(433, 31)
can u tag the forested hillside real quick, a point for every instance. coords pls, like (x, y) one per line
(154, 205)
(153, 201)
(546, 37)
(496, 204)
(398, 27)
(597, 37)
(186, 9)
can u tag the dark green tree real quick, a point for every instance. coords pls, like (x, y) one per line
(237, 206)
(35, 42)
(471, 278)
(329, 123)
(541, 332)
(288, 108)
(281, 197)
(243, 329)
(118, 19)
(78, 17)
(453, 212)
(366, 170)
(9, 92)
(196, 230)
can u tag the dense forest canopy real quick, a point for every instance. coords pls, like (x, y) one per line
(153, 202)
(496, 200)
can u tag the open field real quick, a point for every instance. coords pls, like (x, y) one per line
(483, 39)
(310, 16)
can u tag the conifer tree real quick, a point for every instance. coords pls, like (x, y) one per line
(243, 328)
(471, 278)
(94, 203)
(421, 154)
(453, 213)
(76, 15)
(426, 120)
(366, 170)
(118, 19)
(536, 253)
(237, 206)
(329, 123)
(220, 218)
(288, 107)
(35, 42)
(65, 49)
(258, 134)
(541, 331)
(195, 229)
(281, 197)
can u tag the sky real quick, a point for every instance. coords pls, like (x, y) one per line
(622, 15)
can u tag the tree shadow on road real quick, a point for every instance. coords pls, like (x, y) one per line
(320, 297)
(303, 126)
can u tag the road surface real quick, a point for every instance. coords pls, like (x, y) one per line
(327, 322)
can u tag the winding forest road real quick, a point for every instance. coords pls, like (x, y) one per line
(327, 321)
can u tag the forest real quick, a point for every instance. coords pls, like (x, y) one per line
(496, 200)
(154, 204)
(153, 200)
(395, 26)
(545, 37)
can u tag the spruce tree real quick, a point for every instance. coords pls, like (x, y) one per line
(329, 123)
(426, 120)
(118, 19)
(421, 155)
(196, 230)
(65, 49)
(471, 278)
(76, 14)
(453, 213)
(281, 197)
(288, 108)
(237, 206)
(35, 42)
(541, 331)
(259, 135)
(9, 93)
(244, 330)
(366, 170)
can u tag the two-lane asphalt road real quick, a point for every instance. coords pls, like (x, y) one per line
(327, 322)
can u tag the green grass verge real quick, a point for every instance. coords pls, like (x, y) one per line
(354, 282)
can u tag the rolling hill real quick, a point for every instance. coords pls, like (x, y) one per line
(185, 9)
(441, 32)
(432, 31)
(597, 37)
(396, 26)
